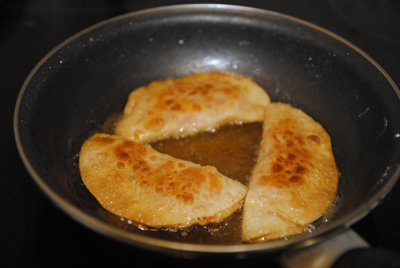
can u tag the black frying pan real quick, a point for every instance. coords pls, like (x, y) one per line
(88, 77)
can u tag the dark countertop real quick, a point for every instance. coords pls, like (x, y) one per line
(34, 233)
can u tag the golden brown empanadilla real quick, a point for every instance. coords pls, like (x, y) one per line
(295, 178)
(181, 107)
(136, 182)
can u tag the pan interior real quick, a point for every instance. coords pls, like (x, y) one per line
(71, 92)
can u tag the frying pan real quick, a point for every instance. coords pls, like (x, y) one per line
(88, 77)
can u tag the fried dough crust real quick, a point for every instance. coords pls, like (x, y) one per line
(136, 182)
(295, 178)
(195, 103)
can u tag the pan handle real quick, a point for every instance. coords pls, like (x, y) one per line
(347, 249)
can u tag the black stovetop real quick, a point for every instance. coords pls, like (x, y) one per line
(33, 232)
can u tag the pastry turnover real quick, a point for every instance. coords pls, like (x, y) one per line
(136, 182)
(181, 107)
(295, 178)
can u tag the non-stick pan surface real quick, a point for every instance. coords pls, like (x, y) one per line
(88, 77)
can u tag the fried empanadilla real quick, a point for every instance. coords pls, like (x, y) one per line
(136, 182)
(295, 178)
(195, 103)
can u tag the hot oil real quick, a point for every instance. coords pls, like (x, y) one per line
(232, 149)
(109, 125)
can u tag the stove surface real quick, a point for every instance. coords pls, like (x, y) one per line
(34, 233)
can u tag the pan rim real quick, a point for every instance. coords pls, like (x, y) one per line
(160, 245)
